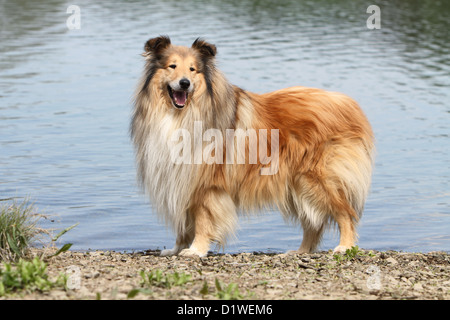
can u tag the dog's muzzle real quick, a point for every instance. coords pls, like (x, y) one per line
(179, 95)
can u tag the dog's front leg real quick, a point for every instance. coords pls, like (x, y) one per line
(183, 241)
(214, 219)
(204, 233)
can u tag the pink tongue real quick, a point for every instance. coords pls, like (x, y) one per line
(180, 97)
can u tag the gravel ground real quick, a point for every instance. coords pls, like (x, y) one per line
(257, 276)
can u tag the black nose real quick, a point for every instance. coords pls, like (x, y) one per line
(184, 83)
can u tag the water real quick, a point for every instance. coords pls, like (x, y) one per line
(65, 103)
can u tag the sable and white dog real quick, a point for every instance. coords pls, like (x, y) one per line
(321, 151)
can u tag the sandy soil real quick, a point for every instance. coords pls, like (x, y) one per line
(257, 276)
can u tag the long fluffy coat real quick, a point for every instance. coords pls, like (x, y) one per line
(325, 151)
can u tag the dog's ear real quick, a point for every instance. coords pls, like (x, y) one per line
(207, 50)
(157, 45)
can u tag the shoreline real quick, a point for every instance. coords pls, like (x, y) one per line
(366, 275)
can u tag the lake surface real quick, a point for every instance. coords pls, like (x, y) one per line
(65, 105)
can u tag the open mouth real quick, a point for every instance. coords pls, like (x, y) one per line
(179, 98)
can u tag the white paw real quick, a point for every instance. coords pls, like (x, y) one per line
(192, 252)
(340, 249)
(169, 252)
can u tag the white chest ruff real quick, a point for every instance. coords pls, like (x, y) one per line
(166, 182)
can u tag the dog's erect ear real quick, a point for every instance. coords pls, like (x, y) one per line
(207, 50)
(157, 45)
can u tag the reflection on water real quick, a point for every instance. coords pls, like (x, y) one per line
(65, 101)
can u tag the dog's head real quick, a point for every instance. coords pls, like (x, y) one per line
(179, 71)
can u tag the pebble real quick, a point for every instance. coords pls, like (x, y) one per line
(414, 263)
(418, 287)
(93, 274)
(392, 261)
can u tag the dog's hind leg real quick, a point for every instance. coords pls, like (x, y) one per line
(313, 222)
(347, 229)
(339, 209)
(318, 200)
(214, 219)
(311, 239)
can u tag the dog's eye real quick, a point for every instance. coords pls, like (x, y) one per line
(192, 69)
(173, 66)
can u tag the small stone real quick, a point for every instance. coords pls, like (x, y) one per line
(413, 264)
(93, 274)
(406, 280)
(392, 261)
(396, 273)
(391, 281)
(418, 287)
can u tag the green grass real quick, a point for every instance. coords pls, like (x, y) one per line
(18, 228)
(157, 278)
(27, 276)
(351, 254)
(225, 292)
(228, 292)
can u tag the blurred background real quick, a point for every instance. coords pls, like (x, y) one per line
(66, 100)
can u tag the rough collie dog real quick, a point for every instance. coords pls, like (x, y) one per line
(323, 142)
